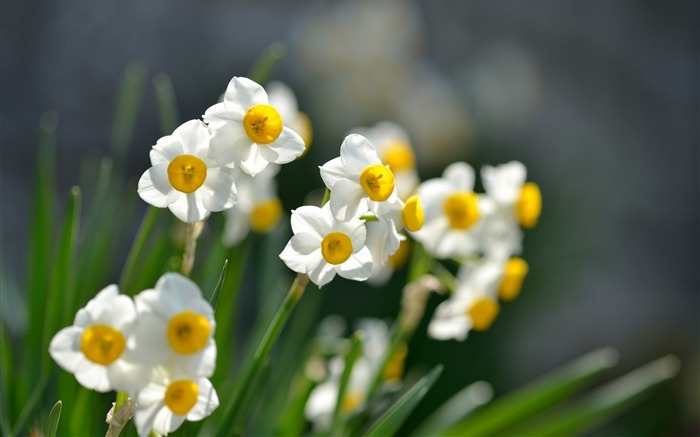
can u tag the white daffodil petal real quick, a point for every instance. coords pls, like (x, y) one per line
(193, 135)
(460, 175)
(322, 274)
(357, 153)
(242, 93)
(286, 148)
(207, 401)
(254, 162)
(333, 171)
(189, 208)
(154, 186)
(65, 347)
(305, 243)
(346, 199)
(358, 267)
(310, 219)
(165, 421)
(94, 377)
(219, 192)
(228, 144)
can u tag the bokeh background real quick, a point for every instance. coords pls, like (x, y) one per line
(599, 99)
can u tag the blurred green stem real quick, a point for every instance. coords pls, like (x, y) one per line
(145, 230)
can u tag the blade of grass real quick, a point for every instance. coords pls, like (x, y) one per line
(263, 66)
(126, 111)
(166, 103)
(391, 420)
(293, 419)
(536, 396)
(219, 284)
(353, 354)
(605, 402)
(145, 230)
(30, 406)
(54, 417)
(456, 408)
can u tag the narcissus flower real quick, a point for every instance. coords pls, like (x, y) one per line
(186, 177)
(170, 398)
(176, 326)
(474, 304)
(323, 246)
(357, 179)
(248, 131)
(95, 348)
(452, 213)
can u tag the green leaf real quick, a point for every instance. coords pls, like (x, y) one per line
(394, 417)
(353, 354)
(220, 283)
(605, 402)
(536, 396)
(456, 408)
(263, 66)
(145, 230)
(166, 103)
(126, 111)
(54, 417)
(293, 420)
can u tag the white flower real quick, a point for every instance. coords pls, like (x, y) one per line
(283, 99)
(395, 150)
(452, 213)
(473, 305)
(510, 203)
(248, 131)
(258, 207)
(176, 326)
(357, 179)
(323, 246)
(95, 348)
(170, 398)
(185, 178)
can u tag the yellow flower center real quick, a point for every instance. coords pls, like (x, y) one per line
(351, 401)
(398, 259)
(413, 216)
(529, 205)
(482, 313)
(266, 215)
(187, 173)
(180, 396)
(263, 124)
(514, 273)
(462, 210)
(399, 156)
(102, 344)
(188, 332)
(377, 181)
(336, 248)
(394, 368)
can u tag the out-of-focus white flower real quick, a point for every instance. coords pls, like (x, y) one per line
(395, 150)
(185, 176)
(258, 207)
(248, 131)
(509, 202)
(95, 348)
(170, 398)
(514, 273)
(357, 179)
(176, 326)
(283, 99)
(473, 305)
(452, 213)
(323, 246)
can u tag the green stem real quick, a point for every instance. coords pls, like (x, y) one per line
(145, 230)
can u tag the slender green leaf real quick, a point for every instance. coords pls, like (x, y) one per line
(145, 230)
(263, 66)
(606, 401)
(127, 109)
(393, 418)
(30, 406)
(6, 375)
(353, 354)
(536, 396)
(293, 420)
(166, 103)
(456, 408)
(54, 417)
(220, 283)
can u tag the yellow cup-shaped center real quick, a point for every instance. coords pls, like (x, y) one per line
(263, 124)
(187, 173)
(399, 156)
(102, 344)
(514, 273)
(482, 313)
(188, 332)
(336, 248)
(529, 205)
(412, 213)
(266, 215)
(398, 259)
(462, 210)
(377, 181)
(181, 396)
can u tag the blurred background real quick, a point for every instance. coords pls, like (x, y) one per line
(599, 99)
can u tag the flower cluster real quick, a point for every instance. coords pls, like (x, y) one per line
(194, 170)
(158, 347)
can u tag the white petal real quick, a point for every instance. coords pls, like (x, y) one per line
(93, 376)
(154, 186)
(356, 230)
(333, 171)
(358, 267)
(149, 401)
(254, 162)
(242, 94)
(149, 341)
(229, 144)
(207, 401)
(165, 421)
(286, 148)
(310, 219)
(236, 228)
(300, 262)
(165, 150)
(218, 191)
(189, 208)
(347, 200)
(322, 274)
(193, 135)
(460, 175)
(179, 293)
(357, 153)
(65, 347)
(217, 116)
